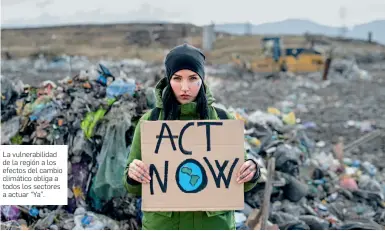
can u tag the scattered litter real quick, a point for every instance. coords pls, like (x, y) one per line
(95, 113)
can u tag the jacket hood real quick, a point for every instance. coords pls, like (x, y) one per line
(163, 84)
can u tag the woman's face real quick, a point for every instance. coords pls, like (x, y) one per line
(186, 85)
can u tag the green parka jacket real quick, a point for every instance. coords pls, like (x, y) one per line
(218, 220)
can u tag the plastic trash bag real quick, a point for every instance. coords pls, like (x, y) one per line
(240, 219)
(264, 136)
(81, 145)
(360, 225)
(92, 119)
(10, 212)
(8, 92)
(263, 118)
(9, 129)
(78, 184)
(287, 221)
(46, 222)
(286, 160)
(366, 183)
(12, 225)
(120, 87)
(294, 190)
(85, 220)
(289, 118)
(111, 160)
(45, 112)
(369, 168)
(315, 222)
(292, 208)
(274, 111)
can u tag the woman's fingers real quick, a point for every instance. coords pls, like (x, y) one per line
(138, 174)
(143, 168)
(137, 169)
(243, 168)
(248, 170)
(246, 176)
(142, 165)
(139, 177)
(135, 175)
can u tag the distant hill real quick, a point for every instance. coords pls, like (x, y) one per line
(299, 26)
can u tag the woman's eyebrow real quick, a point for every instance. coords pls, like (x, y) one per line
(193, 75)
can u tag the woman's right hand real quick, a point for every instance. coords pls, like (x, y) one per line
(139, 171)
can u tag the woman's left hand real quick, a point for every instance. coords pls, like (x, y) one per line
(246, 172)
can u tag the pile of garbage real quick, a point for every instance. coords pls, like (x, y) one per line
(95, 116)
(315, 186)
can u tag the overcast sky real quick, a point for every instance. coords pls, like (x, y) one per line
(199, 12)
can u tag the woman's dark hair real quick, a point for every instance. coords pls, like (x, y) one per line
(171, 104)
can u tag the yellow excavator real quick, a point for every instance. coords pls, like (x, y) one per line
(275, 59)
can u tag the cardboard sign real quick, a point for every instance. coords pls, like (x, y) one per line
(193, 165)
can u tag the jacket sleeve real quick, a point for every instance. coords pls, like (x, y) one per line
(251, 184)
(132, 186)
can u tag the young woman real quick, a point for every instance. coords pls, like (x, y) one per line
(182, 95)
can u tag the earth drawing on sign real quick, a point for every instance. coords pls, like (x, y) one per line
(191, 176)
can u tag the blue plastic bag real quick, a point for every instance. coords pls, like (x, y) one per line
(120, 87)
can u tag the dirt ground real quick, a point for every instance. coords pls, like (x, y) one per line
(111, 41)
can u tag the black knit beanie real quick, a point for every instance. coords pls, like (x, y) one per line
(185, 57)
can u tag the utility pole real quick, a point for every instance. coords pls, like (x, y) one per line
(208, 37)
(248, 29)
(342, 13)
